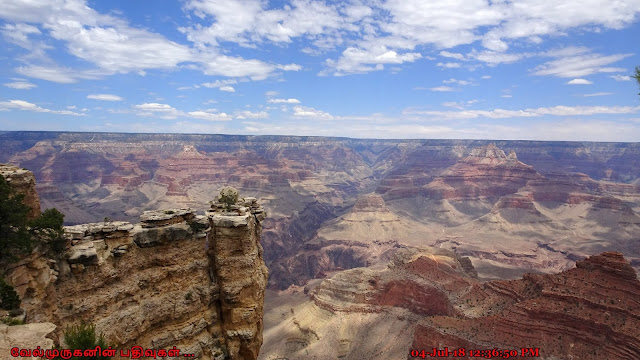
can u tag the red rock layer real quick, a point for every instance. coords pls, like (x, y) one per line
(589, 312)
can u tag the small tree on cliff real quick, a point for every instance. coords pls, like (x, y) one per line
(14, 234)
(17, 233)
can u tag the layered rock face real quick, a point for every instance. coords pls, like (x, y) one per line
(236, 254)
(175, 279)
(23, 182)
(588, 312)
(483, 200)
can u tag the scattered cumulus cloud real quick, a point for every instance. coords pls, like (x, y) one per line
(309, 112)
(168, 112)
(27, 106)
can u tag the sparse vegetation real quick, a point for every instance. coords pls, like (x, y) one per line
(83, 336)
(18, 234)
(9, 298)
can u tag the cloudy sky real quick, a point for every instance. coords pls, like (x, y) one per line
(524, 69)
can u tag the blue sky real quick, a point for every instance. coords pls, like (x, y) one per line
(527, 69)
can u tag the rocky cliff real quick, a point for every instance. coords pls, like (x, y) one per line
(591, 311)
(179, 279)
(23, 182)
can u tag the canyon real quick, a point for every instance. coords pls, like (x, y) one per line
(174, 280)
(373, 247)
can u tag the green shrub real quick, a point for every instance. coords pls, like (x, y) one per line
(17, 233)
(9, 298)
(83, 336)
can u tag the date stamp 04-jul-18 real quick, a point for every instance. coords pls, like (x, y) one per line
(478, 353)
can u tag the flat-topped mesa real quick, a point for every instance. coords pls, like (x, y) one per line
(236, 262)
(491, 154)
(23, 182)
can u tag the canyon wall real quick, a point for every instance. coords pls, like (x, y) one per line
(179, 279)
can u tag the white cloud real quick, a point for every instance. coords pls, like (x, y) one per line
(309, 112)
(537, 112)
(449, 65)
(357, 60)
(283, 101)
(227, 88)
(507, 96)
(621, 77)
(598, 94)
(27, 106)
(579, 82)
(204, 115)
(580, 65)
(452, 55)
(485, 77)
(493, 58)
(271, 93)
(441, 88)
(219, 83)
(57, 74)
(168, 112)
(246, 114)
(456, 81)
(290, 67)
(20, 85)
(104, 97)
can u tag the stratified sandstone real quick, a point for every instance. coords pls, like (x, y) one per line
(235, 256)
(589, 312)
(23, 182)
(175, 279)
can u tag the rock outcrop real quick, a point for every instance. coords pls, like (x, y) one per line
(235, 254)
(175, 279)
(25, 337)
(589, 312)
(23, 182)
